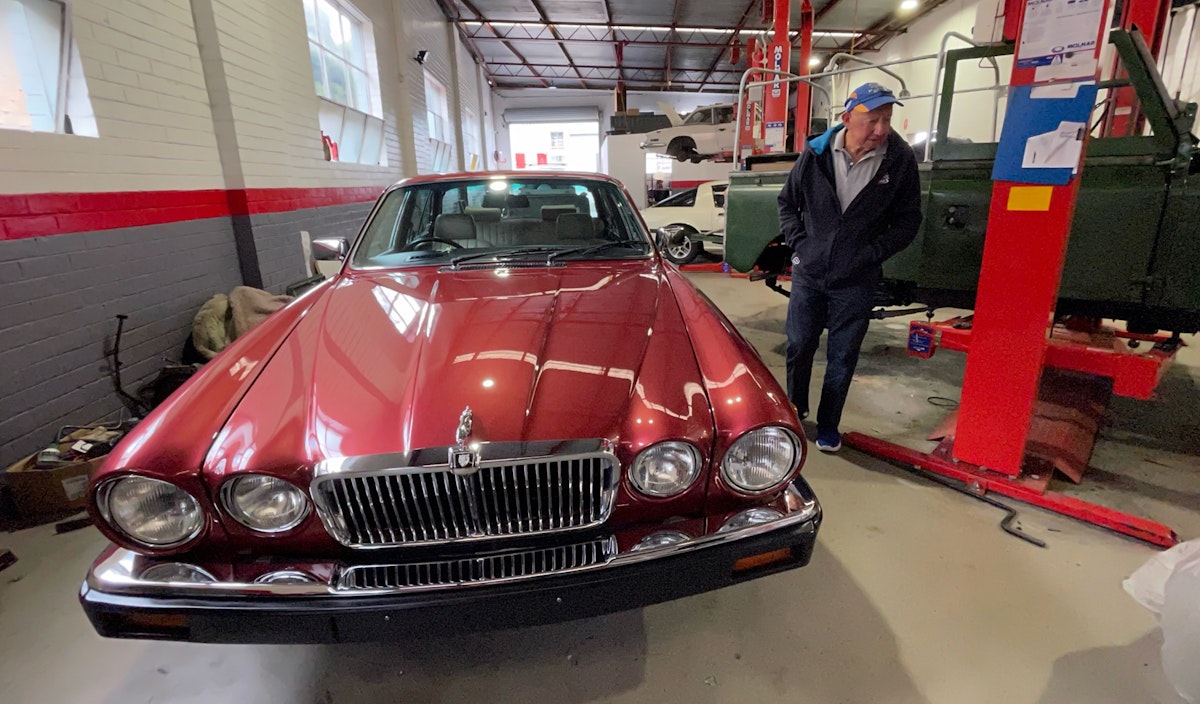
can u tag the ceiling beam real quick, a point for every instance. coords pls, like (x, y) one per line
(655, 86)
(618, 48)
(674, 35)
(508, 68)
(546, 20)
(733, 38)
(452, 14)
(506, 43)
(902, 23)
(524, 29)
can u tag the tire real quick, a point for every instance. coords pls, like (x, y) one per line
(686, 251)
(683, 149)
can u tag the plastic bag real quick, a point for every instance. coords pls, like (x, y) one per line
(1169, 585)
(1181, 628)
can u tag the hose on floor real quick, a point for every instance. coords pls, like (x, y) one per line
(1011, 513)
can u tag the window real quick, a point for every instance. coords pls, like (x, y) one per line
(687, 199)
(42, 87)
(719, 196)
(699, 117)
(437, 109)
(472, 148)
(341, 45)
(723, 115)
(337, 45)
(556, 140)
(494, 221)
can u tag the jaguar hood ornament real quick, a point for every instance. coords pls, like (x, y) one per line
(463, 460)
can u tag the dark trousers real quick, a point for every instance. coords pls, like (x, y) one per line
(845, 312)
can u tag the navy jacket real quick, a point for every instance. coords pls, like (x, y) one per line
(833, 249)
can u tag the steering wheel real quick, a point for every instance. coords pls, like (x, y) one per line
(415, 244)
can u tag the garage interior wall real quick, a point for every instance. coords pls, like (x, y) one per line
(602, 101)
(972, 114)
(208, 165)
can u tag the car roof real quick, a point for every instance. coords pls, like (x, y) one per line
(503, 175)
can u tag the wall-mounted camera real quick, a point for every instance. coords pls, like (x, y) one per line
(420, 57)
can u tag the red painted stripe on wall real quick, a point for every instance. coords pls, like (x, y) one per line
(684, 185)
(42, 214)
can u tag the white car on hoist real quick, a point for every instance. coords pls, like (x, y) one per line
(705, 133)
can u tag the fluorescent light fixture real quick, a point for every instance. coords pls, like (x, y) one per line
(814, 61)
(909, 5)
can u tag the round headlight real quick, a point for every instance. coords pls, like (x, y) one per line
(177, 572)
(152, 512)
(750, 517)
(661, 539)
(665, 469)
(761, 460)
(266, 504)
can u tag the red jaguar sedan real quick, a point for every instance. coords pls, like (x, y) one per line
(505, 408)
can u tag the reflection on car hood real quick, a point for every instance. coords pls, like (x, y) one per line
(388, 361)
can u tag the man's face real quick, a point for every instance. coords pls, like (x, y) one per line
(868, 130)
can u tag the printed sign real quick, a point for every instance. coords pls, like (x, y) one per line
(1057, 31)
(777, 64)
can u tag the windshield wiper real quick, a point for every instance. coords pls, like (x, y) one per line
(498, 253)
(596, 248)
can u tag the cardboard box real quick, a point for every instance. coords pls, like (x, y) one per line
(42, 495)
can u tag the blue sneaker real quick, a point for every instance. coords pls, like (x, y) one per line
(829, 440)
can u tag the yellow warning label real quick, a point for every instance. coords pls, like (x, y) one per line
(1035, 198)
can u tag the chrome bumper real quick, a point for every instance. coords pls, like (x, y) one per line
(117, 571)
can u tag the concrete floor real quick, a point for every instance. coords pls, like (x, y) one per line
(913, 595)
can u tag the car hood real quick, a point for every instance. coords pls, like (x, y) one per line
(387, 362)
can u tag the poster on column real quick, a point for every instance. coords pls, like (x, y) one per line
(1059, 31)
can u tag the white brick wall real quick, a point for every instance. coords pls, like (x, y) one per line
(147, 90)
(156, 126)
(264, 49)
(424, 27)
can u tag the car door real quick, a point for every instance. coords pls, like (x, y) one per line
(723, 121)
(717, 216)
(700, 128)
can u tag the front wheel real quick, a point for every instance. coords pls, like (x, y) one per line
(686, 250)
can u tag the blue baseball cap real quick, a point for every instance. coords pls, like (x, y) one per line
(869, 96)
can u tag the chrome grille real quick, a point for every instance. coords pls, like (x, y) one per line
(420, 506)
(491, 568)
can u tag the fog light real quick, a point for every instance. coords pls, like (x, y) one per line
(286, 577)
(177, 573)
(661, 539)
(750, 517)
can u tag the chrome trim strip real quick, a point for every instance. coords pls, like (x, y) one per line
(114, 574)
(607, 547)
(437, 456)
(481, 519)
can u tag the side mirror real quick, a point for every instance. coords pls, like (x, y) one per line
(330, 249)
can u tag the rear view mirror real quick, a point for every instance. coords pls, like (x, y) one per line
(330, 249)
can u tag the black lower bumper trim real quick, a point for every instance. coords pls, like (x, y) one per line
(276, 619)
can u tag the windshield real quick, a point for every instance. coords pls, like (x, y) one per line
(687, 199)
(496, 218)
(699, 117)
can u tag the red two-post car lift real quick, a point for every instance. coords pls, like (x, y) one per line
(1022, 413)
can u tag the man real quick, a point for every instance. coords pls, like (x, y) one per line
(851, 201)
